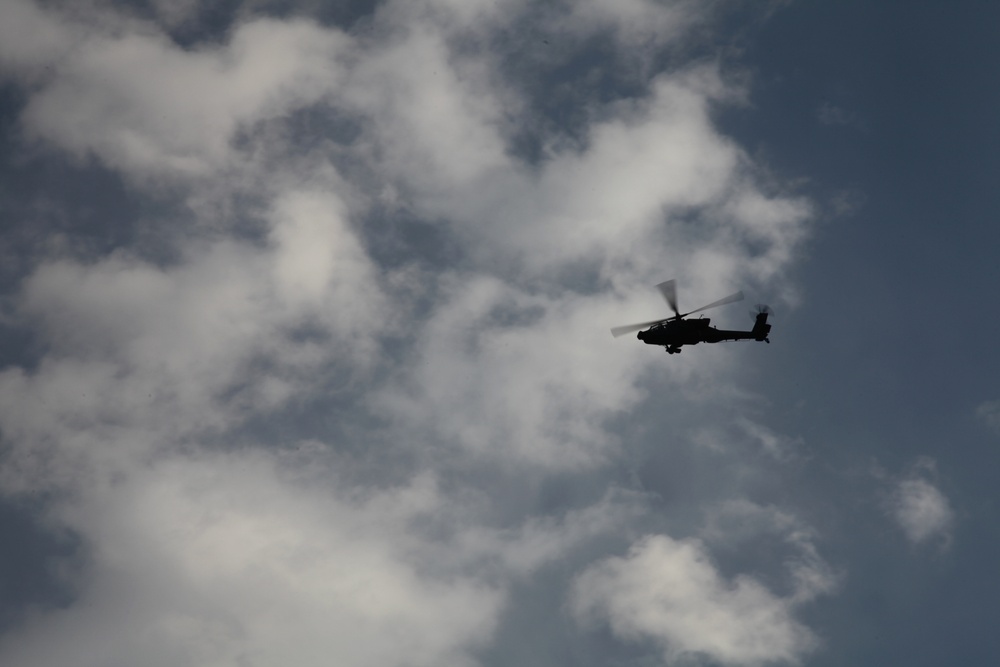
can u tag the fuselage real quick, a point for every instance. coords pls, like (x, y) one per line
(675, 333)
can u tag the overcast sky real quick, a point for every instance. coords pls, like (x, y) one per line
(304, 333)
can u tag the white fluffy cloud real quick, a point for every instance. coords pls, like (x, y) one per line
(617, 202)
(147, 107)
(513, 376)
(224, 560)
(140, 356)
(207, 543)
(252, 558)
(668, 591)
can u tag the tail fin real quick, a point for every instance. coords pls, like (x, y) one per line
(760, 326)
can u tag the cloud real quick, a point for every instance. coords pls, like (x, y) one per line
(509, 375)
(919, 507)
(231, 559)
(140, 355)
(736, 525)
(642, 170)
(315, 423)
(668, 591)
(636, 23)
(781, 447)
(30, 40)
(989, 413)
(173, 13)
(250, 557)
(433, 118)
(830, 114)
(145, 106)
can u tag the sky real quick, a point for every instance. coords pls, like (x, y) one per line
(304, 333)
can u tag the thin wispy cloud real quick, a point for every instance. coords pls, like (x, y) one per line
(831, 114)
(919, 507)
(989, 413)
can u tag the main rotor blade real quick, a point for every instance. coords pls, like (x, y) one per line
(628, 328)
(721, 302)
(669, 291)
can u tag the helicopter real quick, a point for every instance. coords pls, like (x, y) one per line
(673, 332)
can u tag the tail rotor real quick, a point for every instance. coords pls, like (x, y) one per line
(761, 328)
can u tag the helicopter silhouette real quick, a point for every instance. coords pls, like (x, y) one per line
(673, 332)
